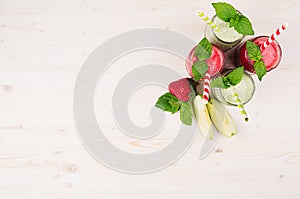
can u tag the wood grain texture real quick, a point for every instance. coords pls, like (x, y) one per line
(42, 46)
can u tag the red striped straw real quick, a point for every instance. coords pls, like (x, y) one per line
(274, 36)
(206, 88)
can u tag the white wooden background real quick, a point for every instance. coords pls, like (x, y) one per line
(42, 46)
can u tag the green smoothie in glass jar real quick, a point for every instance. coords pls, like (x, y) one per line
(245, 88)
(232, 26)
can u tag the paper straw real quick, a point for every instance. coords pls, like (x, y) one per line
(208, 21)
(274, 36)
(206, 88)
(241, 106)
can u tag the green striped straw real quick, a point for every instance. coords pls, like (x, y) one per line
(208, 21)
(241, 106)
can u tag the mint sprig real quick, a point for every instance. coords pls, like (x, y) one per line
(169, 103)
(228, 13)
(236, 76)
(255, 55)
(203, 52)
(232, 79)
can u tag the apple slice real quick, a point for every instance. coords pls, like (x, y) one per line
(202, 117)
(221, 118)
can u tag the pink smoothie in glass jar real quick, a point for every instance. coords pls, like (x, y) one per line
(271, 55)
(215, 62)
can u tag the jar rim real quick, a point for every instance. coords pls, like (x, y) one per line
(252, 82)
(225, 42)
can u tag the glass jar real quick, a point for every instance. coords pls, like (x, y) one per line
(271, 55)
(245, 89)
(215, 62)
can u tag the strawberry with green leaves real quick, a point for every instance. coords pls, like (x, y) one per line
(179, 98)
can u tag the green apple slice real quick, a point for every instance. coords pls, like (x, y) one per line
(221, 118)
(202, 117)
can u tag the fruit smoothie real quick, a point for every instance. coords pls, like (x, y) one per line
(215, 62)
(226, 38)
(271, 55)
(245, 89)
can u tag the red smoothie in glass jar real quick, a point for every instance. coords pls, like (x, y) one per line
(215, 62)
(271, 55)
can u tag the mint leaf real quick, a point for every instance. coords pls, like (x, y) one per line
(260, 69)
(224, 11)
(175, 103)
(199, 69)
(228, 13)
(234, 20)
(185, 114)
(236, 76)
(255, 55)
(232, 79)
(218, 83)
(244, 26)
(253, 51)
(204, 49)
(226, 82)
(169, 103)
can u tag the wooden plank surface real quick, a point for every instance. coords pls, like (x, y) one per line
(42, 47)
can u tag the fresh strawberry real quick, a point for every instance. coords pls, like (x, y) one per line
(181, 89)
